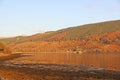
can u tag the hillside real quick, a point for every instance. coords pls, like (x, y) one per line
(17, 39)
(78, 32)
(105, 42)
(98, 37)
(85, 30)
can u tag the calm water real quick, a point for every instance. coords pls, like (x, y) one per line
(107, 61)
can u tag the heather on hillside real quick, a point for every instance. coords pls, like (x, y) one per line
(106, 42)
(4, 48)
(98, 37)
(72, 33)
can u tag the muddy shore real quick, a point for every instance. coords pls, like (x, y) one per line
(17, 71)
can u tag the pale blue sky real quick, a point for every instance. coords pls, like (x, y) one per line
(26, 17)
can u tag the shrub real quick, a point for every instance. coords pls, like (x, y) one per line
(4, 48)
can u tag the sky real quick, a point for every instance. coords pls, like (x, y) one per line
(27, 17)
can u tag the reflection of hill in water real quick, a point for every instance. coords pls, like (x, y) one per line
(107, 61)
(57, 66)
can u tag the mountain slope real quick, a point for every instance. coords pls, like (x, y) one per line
(71, 33)
(98, 43)
(18, 39)
(86, 30)
(79, 32)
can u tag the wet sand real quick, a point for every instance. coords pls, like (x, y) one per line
(11, 71)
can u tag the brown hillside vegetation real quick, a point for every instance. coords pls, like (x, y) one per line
(4, 48)
(71, 33)
(37, 36)
(106, 42)
(110, 41)
(58, 36)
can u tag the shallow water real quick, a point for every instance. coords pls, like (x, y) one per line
(107, 61)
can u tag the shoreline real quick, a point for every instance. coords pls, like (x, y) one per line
(61, 71)
(52, 71)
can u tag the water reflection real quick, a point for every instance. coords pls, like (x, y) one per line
(107, 61)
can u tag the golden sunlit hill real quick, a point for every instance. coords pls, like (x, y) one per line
(78, 32)
(98, 37)
(91, 49)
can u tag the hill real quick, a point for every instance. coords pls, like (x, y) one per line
(83, 31)
(98, 43)
(17, 39)
(72, 33)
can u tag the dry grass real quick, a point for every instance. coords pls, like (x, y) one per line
(3, 54)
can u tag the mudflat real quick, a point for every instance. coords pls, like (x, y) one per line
(21, 71)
